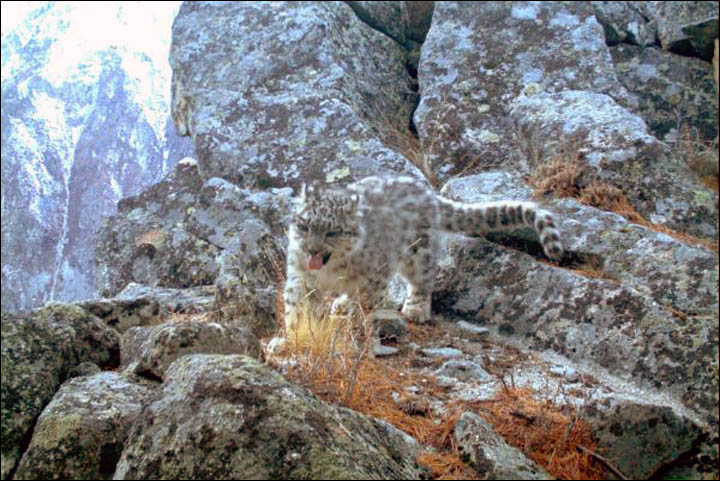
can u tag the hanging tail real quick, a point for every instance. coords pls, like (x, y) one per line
(483, 217)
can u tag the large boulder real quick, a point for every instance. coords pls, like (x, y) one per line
(80, 434)
(688, 28)
(479, 56)
(309, 95)
(231, 417)
(212, 235)
(673, 92)
(39, 352)
(149, 351)
(648, 313)
(616, 146)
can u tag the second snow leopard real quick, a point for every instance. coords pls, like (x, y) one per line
(353, 239)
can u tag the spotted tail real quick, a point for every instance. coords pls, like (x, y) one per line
(483, 217)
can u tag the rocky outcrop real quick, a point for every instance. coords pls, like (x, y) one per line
(464, 97)
(231, 417)
(139, 305)
(673, 92)
(687, 28)
(625, 320)
(80, 434)
(490, 454)
(617, 146)
(149, 351)
(185, 232)
(39, 351)
(309, 96)
(480, 107)
(275, 95)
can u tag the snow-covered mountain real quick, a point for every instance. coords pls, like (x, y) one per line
(85, 122)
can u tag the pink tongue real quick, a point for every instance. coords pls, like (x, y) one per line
(315, 263)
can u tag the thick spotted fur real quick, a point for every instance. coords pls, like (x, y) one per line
(353, 239)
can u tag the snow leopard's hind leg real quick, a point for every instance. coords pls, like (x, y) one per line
(418, 268)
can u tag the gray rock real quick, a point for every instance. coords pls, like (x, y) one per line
(85, 368)
(673, 92)
(621, 152)
(386, 17)
(473, 332)
(147, 241)
(626, 22)
(625, 425)
(479, 56)
(442, 352)
(405, 22)
(39, 351)
(688, 28)
(623, 322)
(671, 273)
(80, 434)
(310, 96)
(490, 454)
(464, 370)
(212, 235)
(609, 324)
(139, 305)
(231, 417)
(149, 351)
(567, 372)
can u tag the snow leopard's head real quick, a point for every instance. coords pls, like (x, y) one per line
(325, 223)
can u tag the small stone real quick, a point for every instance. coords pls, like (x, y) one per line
(442, 352)
(463, 370)
(473, 332)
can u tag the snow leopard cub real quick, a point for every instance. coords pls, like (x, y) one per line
(353, 239)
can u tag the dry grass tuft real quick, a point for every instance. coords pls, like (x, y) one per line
(445, 466)
(568, 175)
(332, 361)
(553, 436)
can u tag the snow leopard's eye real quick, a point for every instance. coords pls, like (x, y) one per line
(332, 234)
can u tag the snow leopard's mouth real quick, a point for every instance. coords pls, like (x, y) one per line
(315, 262)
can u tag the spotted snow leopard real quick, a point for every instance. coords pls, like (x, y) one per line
(353, 239)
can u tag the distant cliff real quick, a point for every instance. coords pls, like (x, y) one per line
(84, 123)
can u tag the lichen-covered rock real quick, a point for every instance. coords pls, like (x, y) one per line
(231, 417)
(149, 351)
(673, 274)
(490, 455)
(478, 56)
(386, 17)
(39, 351)
(147, 242)
(405, 22)
(277, 94)
(139, 305)
(672, 91)
(184, 232)
(617, 146)
(623, 322)
(80, 434)
(626, 22)
(624, 425)
(688, 28)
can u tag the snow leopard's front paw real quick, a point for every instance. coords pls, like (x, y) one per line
(276, 346)
(417, 310)
(341, 306)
